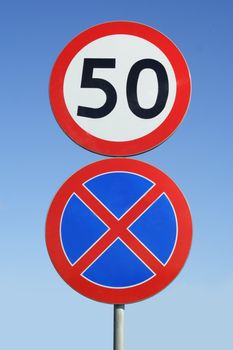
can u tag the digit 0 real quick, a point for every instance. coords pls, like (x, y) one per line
(131, 89)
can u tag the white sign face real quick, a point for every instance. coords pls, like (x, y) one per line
(121, 124)
(120, 88)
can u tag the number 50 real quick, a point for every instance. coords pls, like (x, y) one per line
(131, 88)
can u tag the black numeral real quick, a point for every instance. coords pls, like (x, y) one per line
(89, 82)
(131, 88)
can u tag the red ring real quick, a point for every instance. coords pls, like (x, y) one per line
(121, 148)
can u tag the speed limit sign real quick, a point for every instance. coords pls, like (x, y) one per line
(120, 88)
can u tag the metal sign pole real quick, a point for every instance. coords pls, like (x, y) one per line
(118, 333)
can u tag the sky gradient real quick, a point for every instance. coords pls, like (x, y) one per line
(38, 309)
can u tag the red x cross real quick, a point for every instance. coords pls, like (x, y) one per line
(118, 229)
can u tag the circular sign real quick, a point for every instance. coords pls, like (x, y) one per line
(118, 231)
(120, 88)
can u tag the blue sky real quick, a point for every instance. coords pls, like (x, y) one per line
(38, 310)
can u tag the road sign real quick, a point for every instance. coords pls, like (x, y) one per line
(118, 231)
(120, 88)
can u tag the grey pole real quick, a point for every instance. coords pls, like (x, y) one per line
(118, 334)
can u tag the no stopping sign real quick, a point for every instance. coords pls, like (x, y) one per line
(118, 231)
(120, 88)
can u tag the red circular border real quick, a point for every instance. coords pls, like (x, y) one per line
(122, 148)
(131, 294)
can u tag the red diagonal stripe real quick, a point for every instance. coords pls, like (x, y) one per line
(95, 251)
(141, 251)
(139, 207)
(96, 206)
